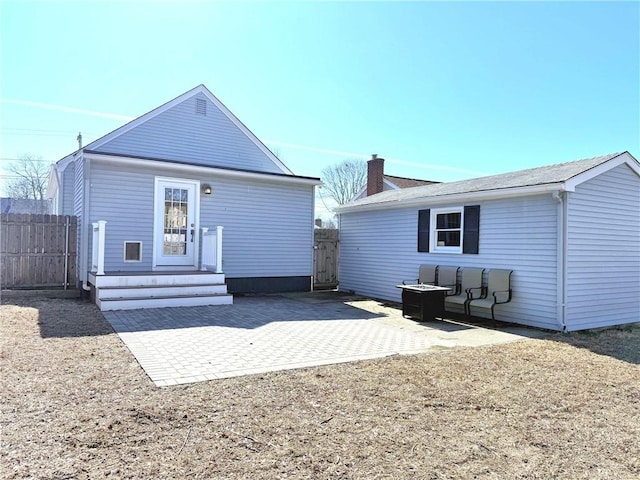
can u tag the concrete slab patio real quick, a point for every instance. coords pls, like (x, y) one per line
(277, 332)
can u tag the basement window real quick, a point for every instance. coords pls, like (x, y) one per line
(132, 251)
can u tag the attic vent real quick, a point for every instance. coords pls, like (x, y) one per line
(201, 106)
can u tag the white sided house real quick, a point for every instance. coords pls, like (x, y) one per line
(570, 233)
(183, 206)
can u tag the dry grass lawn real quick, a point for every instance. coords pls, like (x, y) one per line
(76, 405)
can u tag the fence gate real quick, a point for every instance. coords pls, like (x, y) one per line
(325, 258)
(37, 251)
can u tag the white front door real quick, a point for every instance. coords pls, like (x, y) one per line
(175, 237)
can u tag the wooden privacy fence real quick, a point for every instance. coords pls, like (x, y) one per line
(37, 251)
(325, 258)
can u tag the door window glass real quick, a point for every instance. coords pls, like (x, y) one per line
(175, 221)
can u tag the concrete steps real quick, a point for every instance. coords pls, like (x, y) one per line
(156, 290)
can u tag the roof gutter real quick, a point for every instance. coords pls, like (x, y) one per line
(455, 198)
(198, 169)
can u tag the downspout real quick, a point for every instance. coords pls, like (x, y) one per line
(66, 251)
(313, 236)
(561, 258)
(84, 238)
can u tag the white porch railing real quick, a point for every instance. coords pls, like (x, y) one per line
(97, 250)
(212, 249)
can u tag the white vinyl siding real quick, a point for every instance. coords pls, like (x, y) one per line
(182, 134)
(378, 251)
(124, 198)
(603, 254)
(268, 226)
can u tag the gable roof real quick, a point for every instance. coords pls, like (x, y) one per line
(395, 183)
(403, 182)
(562, 176)
(200, 89)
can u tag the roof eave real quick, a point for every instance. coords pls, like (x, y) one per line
(456, 198)
(623, 158)
(198, 169)
(96, 144)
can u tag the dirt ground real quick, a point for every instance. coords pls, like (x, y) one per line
(76, 405)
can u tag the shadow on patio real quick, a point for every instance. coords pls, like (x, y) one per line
(247, 312)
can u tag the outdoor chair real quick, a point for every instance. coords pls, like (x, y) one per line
(448, 277)
(497, 291)
(470, 282)
(426, 275)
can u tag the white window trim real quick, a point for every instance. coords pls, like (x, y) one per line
(157, 223)
(433, 243)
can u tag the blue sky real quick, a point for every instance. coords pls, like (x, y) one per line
(443, 91)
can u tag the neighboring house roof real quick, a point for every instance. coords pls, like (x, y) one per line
(563, 176)
(200, 89)
(392, 182)
(402, 182)
(24, 205)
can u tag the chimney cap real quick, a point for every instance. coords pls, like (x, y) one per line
(374, 156)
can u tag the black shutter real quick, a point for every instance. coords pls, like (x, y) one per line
(423, 230)
(471, 235)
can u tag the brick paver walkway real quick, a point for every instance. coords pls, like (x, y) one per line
(267, 333)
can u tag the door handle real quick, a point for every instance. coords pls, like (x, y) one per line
(192, 233)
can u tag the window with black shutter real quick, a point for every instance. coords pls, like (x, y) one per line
(449, 230)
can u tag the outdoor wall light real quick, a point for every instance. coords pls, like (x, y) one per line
(206, 189)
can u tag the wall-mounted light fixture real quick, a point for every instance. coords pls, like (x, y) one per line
(206, 189)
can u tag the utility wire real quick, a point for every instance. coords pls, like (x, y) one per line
(41, 160)
(18, 129)
(323, 202)
(31, 134)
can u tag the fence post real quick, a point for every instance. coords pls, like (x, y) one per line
(203, 268)
(219, 249)
(66, 251)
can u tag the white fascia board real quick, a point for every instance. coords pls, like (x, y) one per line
(172, 103)
(141, 119)
(456, 198)
(245, 130)
(65, 161)
(602, 168)
(360, 194)
(155, 165)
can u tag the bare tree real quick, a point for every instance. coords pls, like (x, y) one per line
(345, 179)
(29, 177)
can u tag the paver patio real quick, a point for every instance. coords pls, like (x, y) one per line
(276, 332)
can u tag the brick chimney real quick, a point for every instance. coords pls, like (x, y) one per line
(375, 175)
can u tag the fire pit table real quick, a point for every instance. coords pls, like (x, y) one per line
(423, 302)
